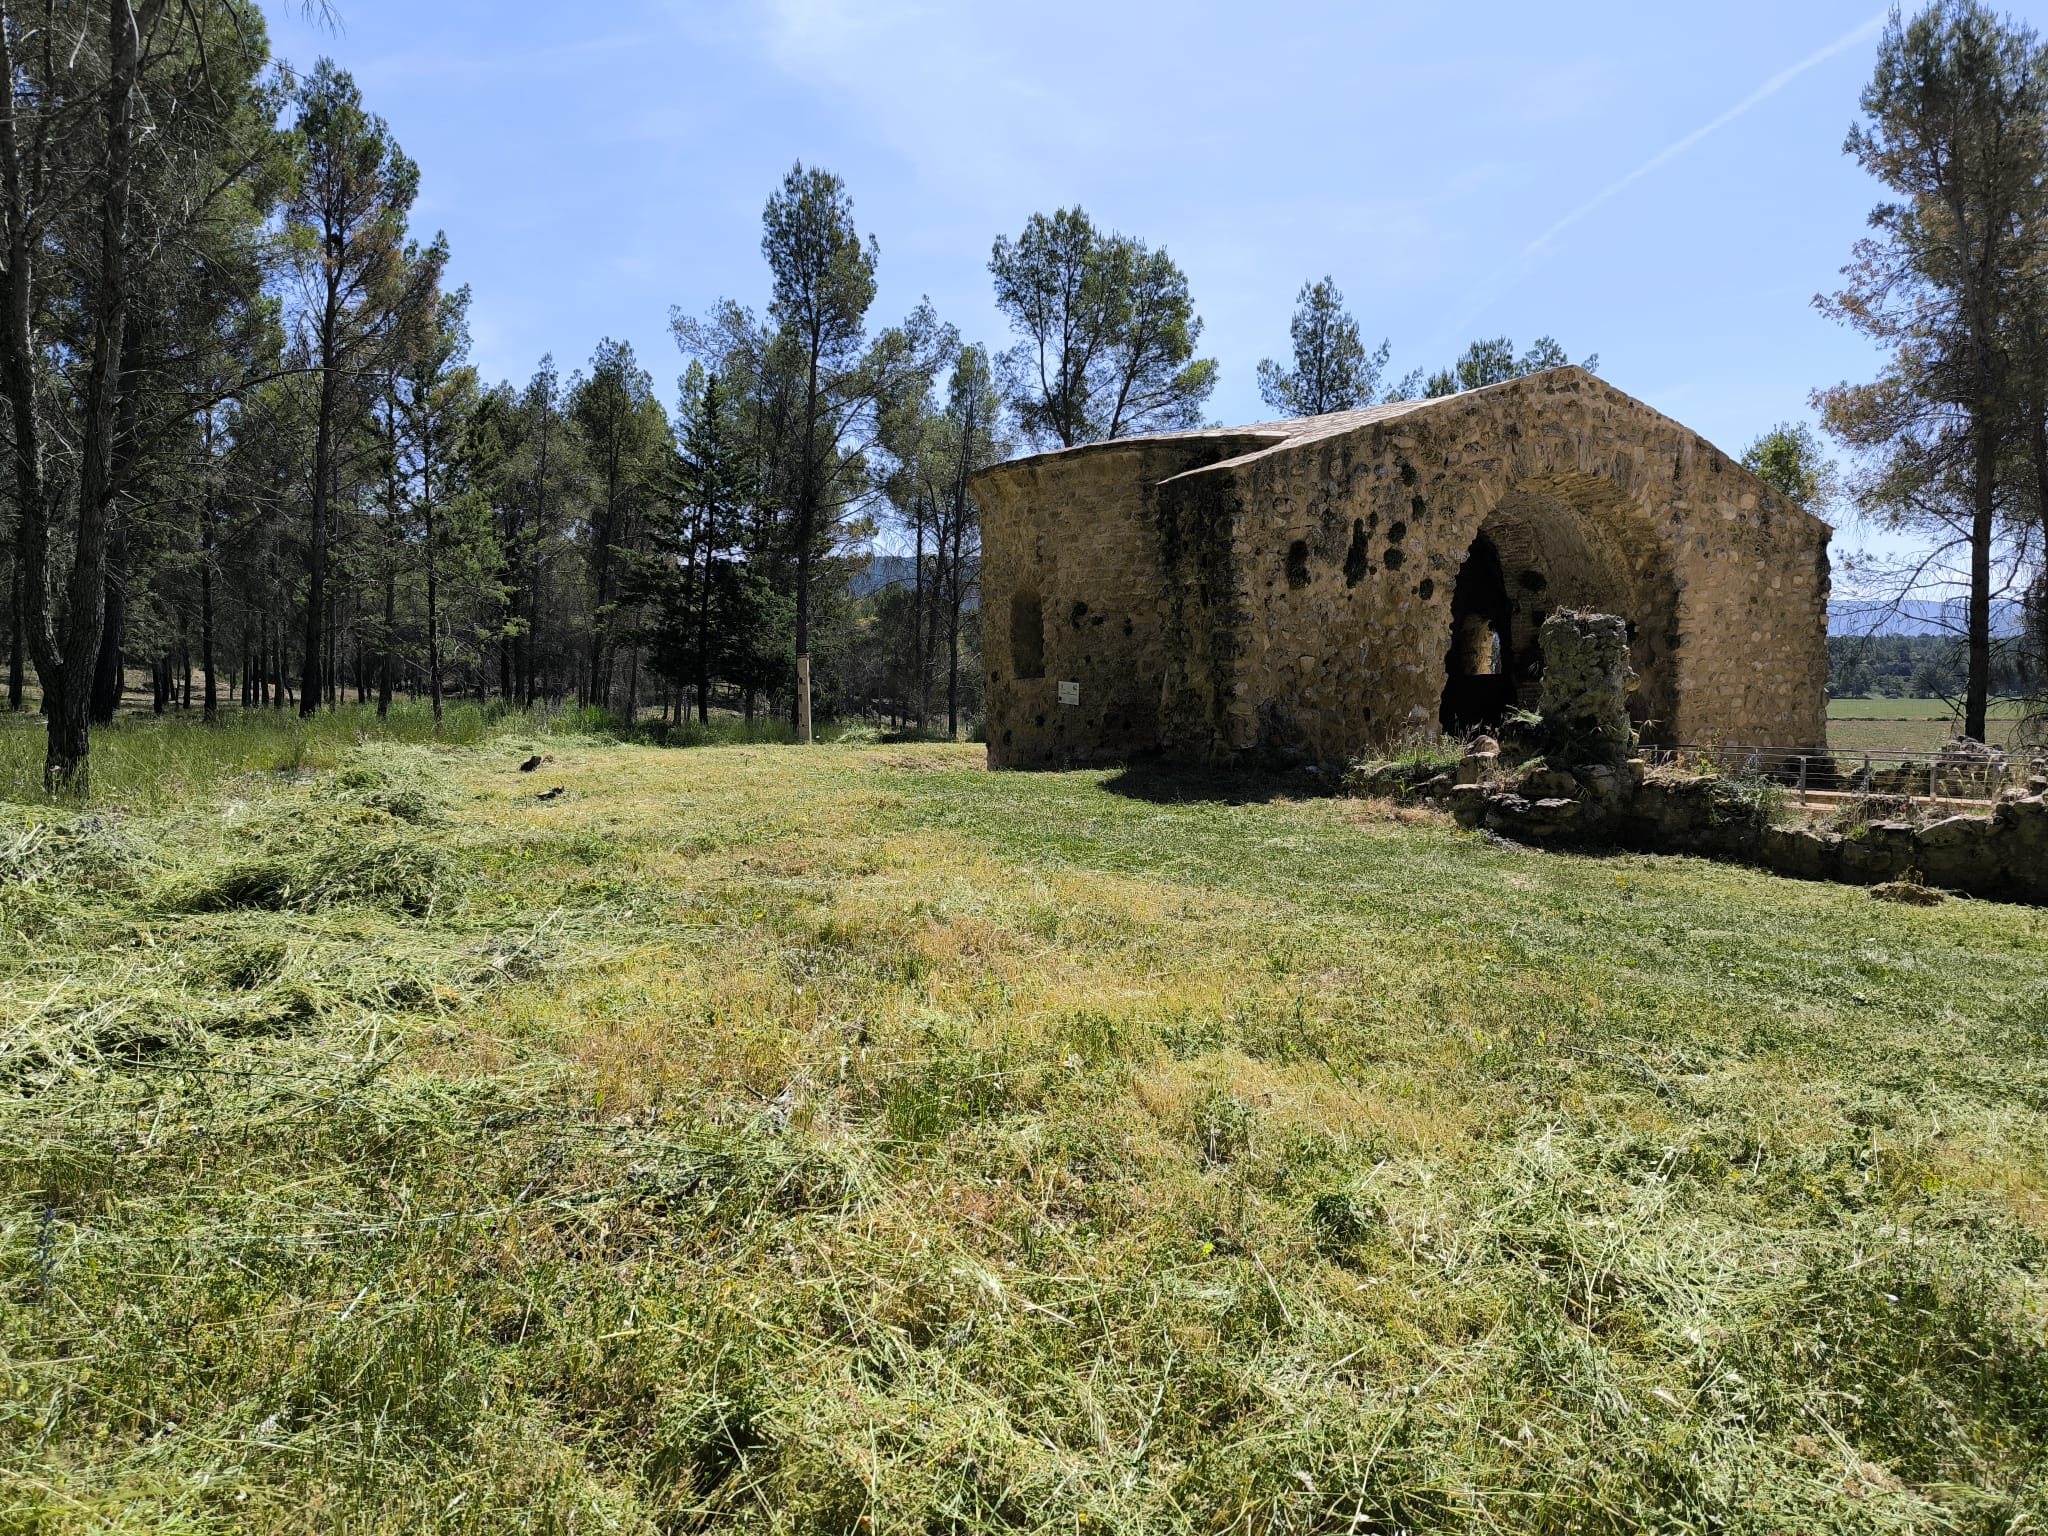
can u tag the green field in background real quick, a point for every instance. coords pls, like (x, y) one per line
(1909, 725)
(1910, 709)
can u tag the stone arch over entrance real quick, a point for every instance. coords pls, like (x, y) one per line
(1556, 541)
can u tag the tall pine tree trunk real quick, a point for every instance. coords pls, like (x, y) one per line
(1983, 514)
(109, 670)
(806, 532)
(384, 663)
(953, 635)
(16, 658)
(107, 675)
(433, 616)
(917, 622)
(211, 700)
(323, 486)
(67, 679)
(703, 646)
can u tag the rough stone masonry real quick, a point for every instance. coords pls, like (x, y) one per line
(1317, 589)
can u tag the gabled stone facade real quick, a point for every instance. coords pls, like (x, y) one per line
(1326, 586)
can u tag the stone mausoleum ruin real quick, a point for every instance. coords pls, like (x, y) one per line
(1323, 587)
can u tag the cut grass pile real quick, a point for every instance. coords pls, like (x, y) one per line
(853, 1140)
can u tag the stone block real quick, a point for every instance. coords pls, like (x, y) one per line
(1504, 813)
(1549, 817)
(1800, 852)
(1547, 783)
(1957, 832)
(2028, 811)
(1478, 767)
(1468, 804)
(1868, 858)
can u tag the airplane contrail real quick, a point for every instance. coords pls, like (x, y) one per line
(1665, 156)
(1671, 152)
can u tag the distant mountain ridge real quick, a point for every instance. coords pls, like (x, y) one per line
(883, 571)
(1915, 616)
(898, 571)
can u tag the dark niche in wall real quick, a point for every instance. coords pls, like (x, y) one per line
(1027, 636)
(1297, 563)
(1356, 558)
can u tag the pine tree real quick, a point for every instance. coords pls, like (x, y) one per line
(1332, 370)
(824, 281)
(1953, 127)
(624, 436)
(120, 155)
(1109, 333)
(360, 295)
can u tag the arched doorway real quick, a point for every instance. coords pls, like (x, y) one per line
(1479, 687)
(1563, 542)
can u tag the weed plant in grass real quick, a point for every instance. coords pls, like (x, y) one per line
(849, 1139)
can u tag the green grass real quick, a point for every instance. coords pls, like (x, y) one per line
(854, 1140)
(1911, 709)
(1913, 725)
(150, 763)
(154, 764)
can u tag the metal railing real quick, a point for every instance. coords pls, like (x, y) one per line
(1977, 775)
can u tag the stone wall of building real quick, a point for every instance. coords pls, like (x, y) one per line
(1288, 589)
(1344, 576)
(1072, 555)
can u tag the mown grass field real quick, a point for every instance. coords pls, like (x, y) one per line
(849, 1139)
(1914, 725)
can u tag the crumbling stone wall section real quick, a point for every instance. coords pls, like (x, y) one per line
(1291, 586)
(2002, 856)
(1586, 675)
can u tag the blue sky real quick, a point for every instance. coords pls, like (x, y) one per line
(1660, 184)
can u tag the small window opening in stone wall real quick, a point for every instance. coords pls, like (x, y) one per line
(1297, 563)
(1027, 636)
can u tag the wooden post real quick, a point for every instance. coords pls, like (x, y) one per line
(1802, 781)
(803, 700)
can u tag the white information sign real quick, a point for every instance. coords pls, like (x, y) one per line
(1070, 693)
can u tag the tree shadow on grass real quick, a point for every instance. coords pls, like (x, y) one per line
(1159, 782)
